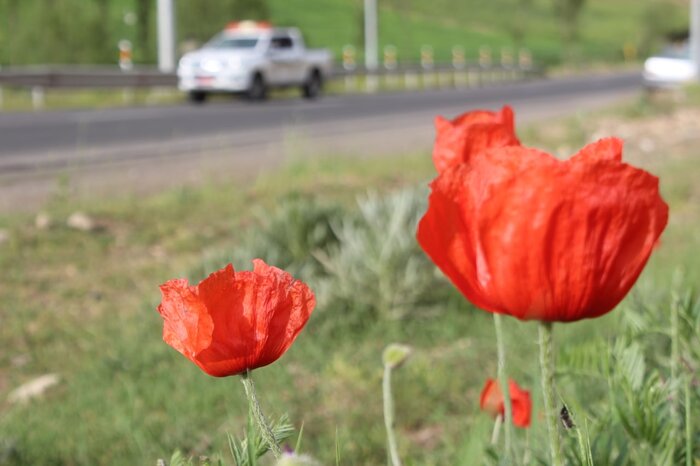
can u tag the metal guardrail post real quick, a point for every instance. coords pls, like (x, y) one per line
(38, 97)
(459, 68)
(410, 79)
(390, 63)
(349, 65)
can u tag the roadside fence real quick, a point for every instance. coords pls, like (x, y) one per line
(348, 76)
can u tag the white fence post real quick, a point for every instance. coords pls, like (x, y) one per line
(38, 97)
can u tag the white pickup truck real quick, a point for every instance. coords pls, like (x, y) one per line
(251, 57)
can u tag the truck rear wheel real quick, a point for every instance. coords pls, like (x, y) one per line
(258, 88)
(313, 86)
(197, 97)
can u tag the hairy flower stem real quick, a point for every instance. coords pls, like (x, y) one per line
(496, 429)
(675, 359)
(688, 426)
(258, 415)
(389, 416)
(550, 411)
(505, 388)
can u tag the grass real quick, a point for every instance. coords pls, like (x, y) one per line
(82, 305)
(605, 28)
(20, 99)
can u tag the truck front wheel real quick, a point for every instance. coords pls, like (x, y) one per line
(197, 97)
(313, 86)
(257, 89)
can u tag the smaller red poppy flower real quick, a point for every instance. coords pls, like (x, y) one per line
(492, 402)
(233, 322)
(472, 132)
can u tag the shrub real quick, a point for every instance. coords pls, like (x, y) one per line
(377, 270)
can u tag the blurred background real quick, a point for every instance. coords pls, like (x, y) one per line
(564, 31)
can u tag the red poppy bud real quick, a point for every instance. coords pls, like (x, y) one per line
(492, 402)
(519, 232)
(235, 321)
(472, 132)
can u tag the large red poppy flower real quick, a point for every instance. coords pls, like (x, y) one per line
(492, 402)
(519, 232)
(235, 321)
(470, 133)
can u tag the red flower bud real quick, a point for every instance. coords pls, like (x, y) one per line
(492, 402)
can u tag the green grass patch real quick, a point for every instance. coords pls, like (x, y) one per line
(82, 305)
(72, 32)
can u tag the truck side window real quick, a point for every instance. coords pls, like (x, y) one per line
(281, 43)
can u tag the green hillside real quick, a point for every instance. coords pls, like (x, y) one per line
(87, 31)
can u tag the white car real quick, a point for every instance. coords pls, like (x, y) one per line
(671, 68)
(250, 58)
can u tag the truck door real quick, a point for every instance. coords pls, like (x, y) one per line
(284, 58)
(279, 55)
(298, 64)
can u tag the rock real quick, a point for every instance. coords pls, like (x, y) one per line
(71, 270)
(33, 389)
(158, 252)
(647, 145)
(20, 360)
(42, 221)
(81, 221)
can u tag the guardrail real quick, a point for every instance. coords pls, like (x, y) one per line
(413, 76)
(83, 77)
(409, 76)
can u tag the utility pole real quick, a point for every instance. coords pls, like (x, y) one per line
(166, 36)
(695, 36)
(371, 35)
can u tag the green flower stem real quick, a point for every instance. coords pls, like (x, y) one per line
(675, 359)
(389, 416)
(505, 388)
(688, 426)
(496, 429)
(258, 415)
(528, 448)
(550, 412)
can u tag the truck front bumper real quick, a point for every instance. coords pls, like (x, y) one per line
(230, 82)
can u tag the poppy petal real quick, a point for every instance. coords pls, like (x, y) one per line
(187, 326)
(291, 310)
(471, 133)
(604, 149)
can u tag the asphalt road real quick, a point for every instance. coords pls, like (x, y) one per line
(161, 145)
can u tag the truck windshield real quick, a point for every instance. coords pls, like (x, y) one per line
(223, 42)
